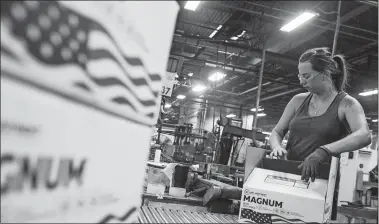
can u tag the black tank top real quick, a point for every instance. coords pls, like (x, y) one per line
(307, 133)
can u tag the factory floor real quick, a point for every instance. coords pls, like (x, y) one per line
(170, 209)
(166, 215)
(153, 214)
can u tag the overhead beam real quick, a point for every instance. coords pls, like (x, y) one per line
(282, 94)
(331, 25)
(232, 47)
(240, 70)
(275, 45)
(372, 3)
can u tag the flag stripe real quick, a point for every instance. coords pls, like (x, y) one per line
(100, 41)
(111, 81)
(105, 67)
(8, 53)
(155, 77)
(123, 101)
(134, 61)
(97, 74)
(101, 53)
(116, 91)
(82, 86)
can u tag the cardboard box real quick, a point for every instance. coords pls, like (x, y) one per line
(80, 91)
(272, 196)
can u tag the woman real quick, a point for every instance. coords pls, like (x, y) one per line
(325, 121)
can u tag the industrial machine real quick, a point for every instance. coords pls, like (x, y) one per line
(233, 132)
(359, 178)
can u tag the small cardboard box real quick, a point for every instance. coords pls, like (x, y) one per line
(274, 193)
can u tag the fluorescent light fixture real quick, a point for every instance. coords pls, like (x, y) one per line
(216, 76)
(238, 36)
(167, 105)
(192, 5)
(198, 88)
(261, 114)
(166, 119)
(230, 115)
(369, 93)
(180, 97)
(298, 21)
(376, 120)
(266, 133)
(190, 74)
(259, 109)
(215, 31)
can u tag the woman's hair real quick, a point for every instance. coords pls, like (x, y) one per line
(322, 61)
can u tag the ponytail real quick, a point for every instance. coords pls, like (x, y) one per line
(340, 76)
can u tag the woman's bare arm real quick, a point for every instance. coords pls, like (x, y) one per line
(360, 134)
(281, 128)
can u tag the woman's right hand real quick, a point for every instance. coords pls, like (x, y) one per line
(278, 152)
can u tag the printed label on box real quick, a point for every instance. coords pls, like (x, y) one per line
(80, 88)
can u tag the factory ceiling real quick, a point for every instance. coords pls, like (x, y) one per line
(256, 23)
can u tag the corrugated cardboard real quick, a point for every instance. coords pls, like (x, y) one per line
(272, 196)
(80, 90)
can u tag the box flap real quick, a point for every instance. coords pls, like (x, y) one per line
(289, 166)
(286, 183)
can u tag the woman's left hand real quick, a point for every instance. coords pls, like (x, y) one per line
(312, 163)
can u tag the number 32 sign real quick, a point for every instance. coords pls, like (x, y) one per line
(168, 84)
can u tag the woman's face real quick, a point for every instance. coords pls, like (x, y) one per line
(310, 79)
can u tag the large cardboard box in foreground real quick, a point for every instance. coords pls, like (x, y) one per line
(274, 192)
(80, 92)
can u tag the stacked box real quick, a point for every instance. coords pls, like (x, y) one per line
(80, 91)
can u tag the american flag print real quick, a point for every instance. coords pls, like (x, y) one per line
(262, 218)
(80, 54)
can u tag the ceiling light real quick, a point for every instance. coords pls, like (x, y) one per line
(238, 36)
(180, 97)
(212, 34)
(261, 114)
(259, 109)
(192, 5)
(216, 76)
(376, 120)
(368, 93)
(215, 31)
(266, 133)
(190, 74)
(198, 88)
(166, 119)
(298, 21)
(230, 115)
(167, 105)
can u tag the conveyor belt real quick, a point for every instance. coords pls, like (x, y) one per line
(161, 215)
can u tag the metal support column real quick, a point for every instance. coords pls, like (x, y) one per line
(337, 160)
(338, 24)
(259, 87)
